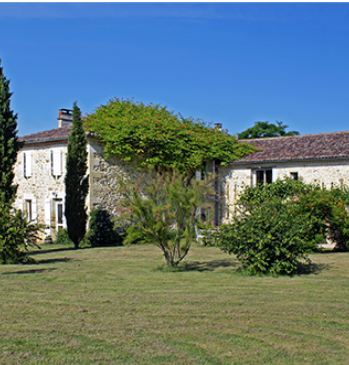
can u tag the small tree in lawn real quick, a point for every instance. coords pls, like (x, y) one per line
(162, 211)
(76, 181)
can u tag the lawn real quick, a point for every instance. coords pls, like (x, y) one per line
(119, 306)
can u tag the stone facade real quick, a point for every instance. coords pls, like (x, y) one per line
(40, 173)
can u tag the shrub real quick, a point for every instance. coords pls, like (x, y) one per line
(280, 222)
(269, 239)
(101, 230)
(62, 238)
(15, 230)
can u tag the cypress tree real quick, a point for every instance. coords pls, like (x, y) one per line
(9, 144)
(12, 227)
(76, 180)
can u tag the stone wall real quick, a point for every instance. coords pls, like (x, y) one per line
(104, 176)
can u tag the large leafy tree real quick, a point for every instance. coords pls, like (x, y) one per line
(266, 129)
(154, 137)
(76, 180)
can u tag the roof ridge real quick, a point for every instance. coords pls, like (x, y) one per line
(46, 130)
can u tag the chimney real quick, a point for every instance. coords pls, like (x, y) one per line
(65, 117)
(218, 125)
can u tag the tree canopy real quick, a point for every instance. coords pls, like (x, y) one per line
(154, 137)
(266, 129)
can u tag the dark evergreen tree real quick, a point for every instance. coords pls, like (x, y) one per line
(76, 180)
(9, 144)
(102, 232)
(14, 229)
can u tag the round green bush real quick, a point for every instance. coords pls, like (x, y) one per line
(101, 230)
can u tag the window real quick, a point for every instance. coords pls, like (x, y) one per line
(294, 175)
(264, 177)
(205, 214)
(27, 164)
(28, 208)
(59, 214)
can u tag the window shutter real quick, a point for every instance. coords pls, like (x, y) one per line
(47, 213)
(29, 163)
(198, 175)
(57, 163)
(34, 211)
(51, 162)
(20, 204)
(24, 165)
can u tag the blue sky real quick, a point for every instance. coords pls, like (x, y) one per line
(231, 63)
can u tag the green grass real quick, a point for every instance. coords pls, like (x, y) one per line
(120, 306)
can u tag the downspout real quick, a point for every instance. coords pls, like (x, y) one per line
(216, 196)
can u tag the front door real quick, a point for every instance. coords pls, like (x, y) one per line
(59, 214)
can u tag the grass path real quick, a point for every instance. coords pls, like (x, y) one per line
(117, 306)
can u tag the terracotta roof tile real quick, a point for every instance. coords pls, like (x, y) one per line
(302, 147)
(52, 134)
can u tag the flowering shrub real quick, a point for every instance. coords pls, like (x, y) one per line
(280, 223)
(269, 239)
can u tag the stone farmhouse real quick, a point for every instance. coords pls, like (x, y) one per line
(40, 171)
(315, 158)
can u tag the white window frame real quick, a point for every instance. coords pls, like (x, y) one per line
(264, 171)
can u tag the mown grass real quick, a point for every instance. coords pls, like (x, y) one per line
(120, 306)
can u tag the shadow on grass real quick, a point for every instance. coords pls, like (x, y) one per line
(33, 271)
(60, 249)
(307, 269)
(200, 266)
(51, 261)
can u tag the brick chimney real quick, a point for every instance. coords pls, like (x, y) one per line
(65, 117)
